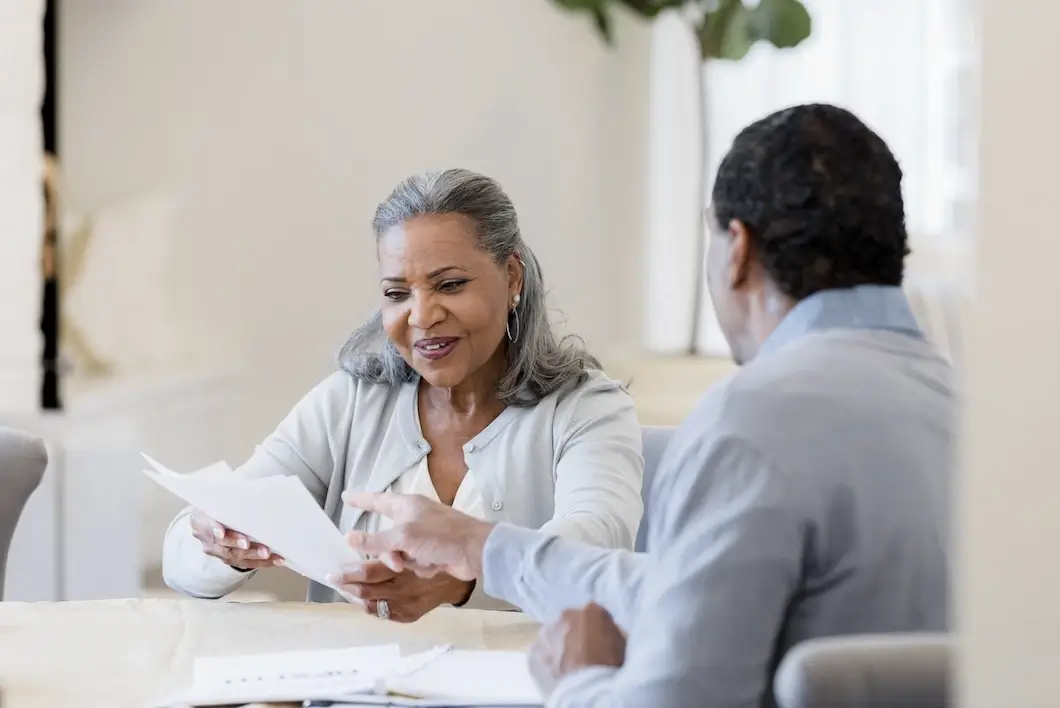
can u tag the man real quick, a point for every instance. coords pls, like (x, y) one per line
(806, 496)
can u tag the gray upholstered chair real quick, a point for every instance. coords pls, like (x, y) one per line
(23, 459)
(655, 439)
(867, 671)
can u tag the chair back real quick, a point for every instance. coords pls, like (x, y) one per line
(23, 459)
(654, 442)
(867, 670)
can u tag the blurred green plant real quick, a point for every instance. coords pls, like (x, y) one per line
(726, 29)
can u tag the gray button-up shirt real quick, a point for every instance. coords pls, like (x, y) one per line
(806, 496)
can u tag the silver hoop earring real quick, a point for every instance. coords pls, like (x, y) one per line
(508, 326)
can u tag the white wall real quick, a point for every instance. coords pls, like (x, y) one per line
(1008, 580)
(281, 124)
(21, 169)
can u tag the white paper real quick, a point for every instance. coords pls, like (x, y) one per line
(451, 679)
(376, 675)
(287, 676)
(277, 511)
(371, 661)
(465, 678)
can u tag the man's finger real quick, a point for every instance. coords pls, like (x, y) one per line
(376, 544)
(399, 508)
(371, 573)
(424, 571)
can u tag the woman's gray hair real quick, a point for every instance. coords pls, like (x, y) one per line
(538, 362)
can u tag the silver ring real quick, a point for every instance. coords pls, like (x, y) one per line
(382, 610)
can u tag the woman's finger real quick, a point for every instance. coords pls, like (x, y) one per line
(259, 557)
(370, 592)
(248, 551)
(226, 556)
(205, 528)
(398, 612)
(231, 539)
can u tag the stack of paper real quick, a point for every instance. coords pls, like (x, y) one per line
(468, 678)
(364, 676)
(285, 676)
(278, 512)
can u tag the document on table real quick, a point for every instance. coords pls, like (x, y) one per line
(285, 676)
(277, 511)
(468, 678)
(440, 677)
(445, 678)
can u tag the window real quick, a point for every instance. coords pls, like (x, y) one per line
(906, 67)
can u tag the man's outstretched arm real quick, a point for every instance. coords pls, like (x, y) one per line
(537, 572)
(714, 595)
(544, 575)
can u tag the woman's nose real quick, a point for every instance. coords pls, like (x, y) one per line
(425, 312)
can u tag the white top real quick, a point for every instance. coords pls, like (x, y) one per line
(417, 480)
(570, 466)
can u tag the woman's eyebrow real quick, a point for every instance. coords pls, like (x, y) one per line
(433, 274)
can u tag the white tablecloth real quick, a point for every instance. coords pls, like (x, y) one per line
(122, 653)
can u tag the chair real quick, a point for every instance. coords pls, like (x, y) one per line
(654, 442)
(23, 459)
(867, 671)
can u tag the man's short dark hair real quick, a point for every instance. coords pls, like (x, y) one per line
(820, 195)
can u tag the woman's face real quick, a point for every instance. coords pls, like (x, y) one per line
(445, 301)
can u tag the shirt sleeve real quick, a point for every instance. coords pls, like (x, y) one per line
(599, 470)
(304, 445)
(545, 575)
(725, 560)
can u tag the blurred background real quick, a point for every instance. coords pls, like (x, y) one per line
(213, 169)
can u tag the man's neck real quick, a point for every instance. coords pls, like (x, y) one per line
(767, 310)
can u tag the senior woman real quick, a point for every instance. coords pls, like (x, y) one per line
(456, 389)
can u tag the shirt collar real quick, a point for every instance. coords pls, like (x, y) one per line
(877, 307)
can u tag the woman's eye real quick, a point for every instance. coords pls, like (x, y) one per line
(451, 285)
(395, 295)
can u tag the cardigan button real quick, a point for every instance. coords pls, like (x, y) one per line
(498, 505)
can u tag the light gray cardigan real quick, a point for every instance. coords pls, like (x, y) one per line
(570, 466)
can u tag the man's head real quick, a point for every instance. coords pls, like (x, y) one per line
(807, 199)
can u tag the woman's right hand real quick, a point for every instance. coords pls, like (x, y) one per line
(230, 546)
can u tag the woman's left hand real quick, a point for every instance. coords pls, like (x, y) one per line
(408, 596)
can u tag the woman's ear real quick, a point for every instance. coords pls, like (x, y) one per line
(516, 273)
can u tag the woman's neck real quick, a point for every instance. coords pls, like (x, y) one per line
(474, 396)
(463, 400)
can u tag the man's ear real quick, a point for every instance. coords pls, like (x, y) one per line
(740, 252)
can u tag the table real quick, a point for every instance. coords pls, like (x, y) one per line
(124, 653)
